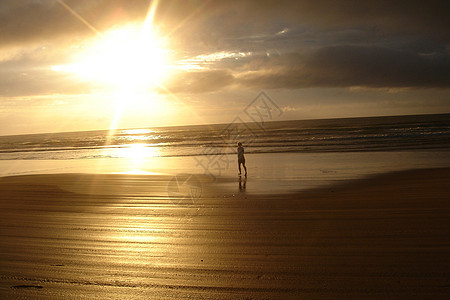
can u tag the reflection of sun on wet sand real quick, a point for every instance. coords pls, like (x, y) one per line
(121, 236)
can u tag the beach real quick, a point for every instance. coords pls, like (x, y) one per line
(121, 236)
(224, 150)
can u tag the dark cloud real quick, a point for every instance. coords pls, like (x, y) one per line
(347, 66)
(252, 24)
(215, 23)
(430, 16)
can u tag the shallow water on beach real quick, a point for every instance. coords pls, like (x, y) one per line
(267, 173)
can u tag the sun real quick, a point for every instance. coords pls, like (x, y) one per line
(124, 58)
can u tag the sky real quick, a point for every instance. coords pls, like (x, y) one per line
(98, 64)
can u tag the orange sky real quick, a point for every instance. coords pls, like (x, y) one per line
(81, 65)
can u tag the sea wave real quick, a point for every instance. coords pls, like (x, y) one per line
(333, 135)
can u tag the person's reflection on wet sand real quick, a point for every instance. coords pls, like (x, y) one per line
(242, 184)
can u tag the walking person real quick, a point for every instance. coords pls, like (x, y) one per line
(241, 158)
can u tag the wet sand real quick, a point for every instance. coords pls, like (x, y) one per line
(124, 236)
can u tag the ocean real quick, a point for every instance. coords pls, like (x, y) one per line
(281, 156)
(393, 133)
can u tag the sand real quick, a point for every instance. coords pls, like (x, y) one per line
(90, 236)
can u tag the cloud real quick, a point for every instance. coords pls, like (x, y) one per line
(34, 21)
(41, 82)
(311, 43)
(217, 23)
(348, 66)
(248, 25)
(199, 81)
(339, 66)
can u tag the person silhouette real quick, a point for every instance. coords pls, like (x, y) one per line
(241, 158)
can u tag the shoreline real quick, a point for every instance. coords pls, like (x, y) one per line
(123, 236)
(268, 173)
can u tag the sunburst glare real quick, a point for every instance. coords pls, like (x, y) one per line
(125, 58)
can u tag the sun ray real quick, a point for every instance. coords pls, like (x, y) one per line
(183, 22)
(82, 20)
(148, 23)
